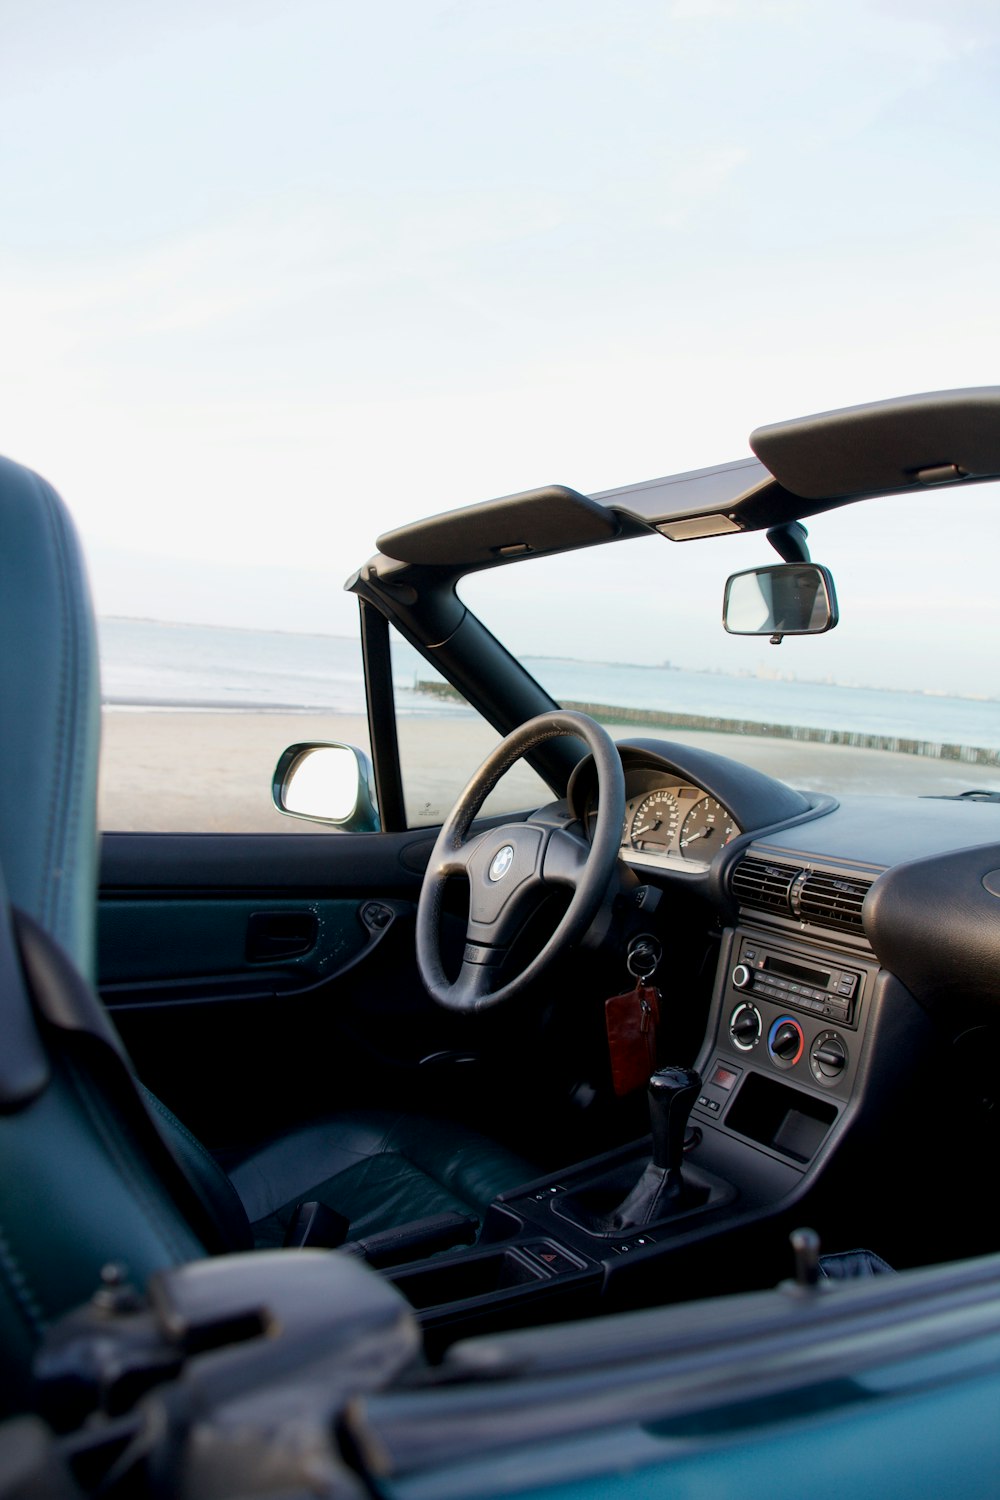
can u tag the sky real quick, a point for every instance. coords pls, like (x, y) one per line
(277, 278)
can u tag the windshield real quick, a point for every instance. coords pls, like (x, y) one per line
(902, 697)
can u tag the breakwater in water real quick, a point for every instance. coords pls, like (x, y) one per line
(653, 718)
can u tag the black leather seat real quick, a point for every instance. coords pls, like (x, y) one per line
(94, 1168)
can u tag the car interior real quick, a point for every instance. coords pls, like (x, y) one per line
(407, 1084)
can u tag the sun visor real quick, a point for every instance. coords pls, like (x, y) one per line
(907, 443)
(734, 497)
(553, 519)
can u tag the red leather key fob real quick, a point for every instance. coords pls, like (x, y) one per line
(631, 1020)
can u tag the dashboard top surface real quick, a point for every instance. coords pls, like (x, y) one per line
(878, 832)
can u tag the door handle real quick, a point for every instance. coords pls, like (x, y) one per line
(273, 935)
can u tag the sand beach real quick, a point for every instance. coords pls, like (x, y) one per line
(174, 770)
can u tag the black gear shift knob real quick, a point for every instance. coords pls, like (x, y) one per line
(662, 1190)
(672, 1093)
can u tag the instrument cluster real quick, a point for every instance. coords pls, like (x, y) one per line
(668, 819)
(676, 820)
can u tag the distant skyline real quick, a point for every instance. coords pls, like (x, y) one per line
(274, 280)
(761, 673)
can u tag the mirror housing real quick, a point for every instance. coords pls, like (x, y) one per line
(326, 783)
(784, 599)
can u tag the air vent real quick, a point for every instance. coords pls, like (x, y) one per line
(814, 896)
(757, 883)
(832, 900)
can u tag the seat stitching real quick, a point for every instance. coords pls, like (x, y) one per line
(24, 1297)
(93, 1103)
(171, 1119)
(370, 1165)
(443, 1182)
(256, 1181)
(445, 1179)
(64, 785)
(56, 801)
(211, 1193)
(65, 790)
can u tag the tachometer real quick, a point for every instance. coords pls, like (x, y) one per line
(706, 828)
(654, 826)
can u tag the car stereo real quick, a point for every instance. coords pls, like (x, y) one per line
(765, 972)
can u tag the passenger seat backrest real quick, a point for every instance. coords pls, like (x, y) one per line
(88, 1174)
(49, 716)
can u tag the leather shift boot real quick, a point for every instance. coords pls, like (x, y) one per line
(659, 1193)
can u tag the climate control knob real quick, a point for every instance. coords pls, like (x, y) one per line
(745, 1026)
(785, 1042)
(828, 1056)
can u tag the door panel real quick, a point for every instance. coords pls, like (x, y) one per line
(183, 938)
(242, 1036)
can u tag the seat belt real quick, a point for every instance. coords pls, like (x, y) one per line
(66, 1005)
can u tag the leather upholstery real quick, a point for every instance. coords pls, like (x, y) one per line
(93, 1168)
(83, 1176)
(51, 715)
(376, 1168)
(853, 1265)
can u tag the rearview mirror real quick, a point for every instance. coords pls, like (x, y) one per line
(327, 783)
(784, 599)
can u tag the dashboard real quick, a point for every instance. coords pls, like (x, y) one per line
(926, 870)
(855, 973)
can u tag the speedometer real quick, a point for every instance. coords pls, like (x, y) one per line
(654, 826)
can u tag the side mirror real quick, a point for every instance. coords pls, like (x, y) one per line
(327, 784)
(784, 599)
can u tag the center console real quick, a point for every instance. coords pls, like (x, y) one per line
(784, 1061)
(788, 1035)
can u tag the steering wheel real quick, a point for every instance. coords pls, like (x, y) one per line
(511, 868)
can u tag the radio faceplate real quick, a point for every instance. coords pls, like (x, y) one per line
(765, 971)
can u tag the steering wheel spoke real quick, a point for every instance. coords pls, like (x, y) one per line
(477, 979)
(456, 859)
(510, 869)
(566, 858)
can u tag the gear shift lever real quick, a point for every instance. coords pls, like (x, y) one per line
(671, 1094)
(660, 1190)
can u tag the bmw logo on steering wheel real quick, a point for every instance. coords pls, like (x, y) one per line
(502, 861)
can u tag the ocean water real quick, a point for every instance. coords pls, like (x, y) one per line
(151, 663)
(815, 705)
(148, 663)
(160, 664)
